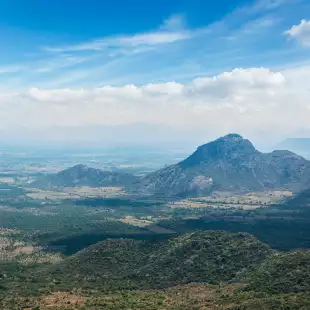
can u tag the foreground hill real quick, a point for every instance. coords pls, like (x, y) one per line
(82, 175)
(282, 273)
(230, 163)
(211, 270)
(209, 256)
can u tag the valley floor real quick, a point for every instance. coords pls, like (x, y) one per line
(44, 233)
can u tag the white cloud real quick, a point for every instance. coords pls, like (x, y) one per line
(254, 101)
(144, 39)
(300, 32)
(238, 80)
(175, 29)
(172, 30)
(153, 38)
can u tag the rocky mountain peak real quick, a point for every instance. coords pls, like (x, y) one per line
(230, 163)
(232, 137)
(228, 147)
(231, 140)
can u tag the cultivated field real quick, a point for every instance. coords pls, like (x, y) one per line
(249, 201)
(76, 193)
(12, 248)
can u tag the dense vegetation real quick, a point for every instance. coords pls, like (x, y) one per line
(281, 234)
(114, 202)
(239, 272)
(209, 256)
(122, 266)
(282, 273)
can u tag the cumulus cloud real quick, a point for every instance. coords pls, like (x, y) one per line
(300, 32)
(254, 101)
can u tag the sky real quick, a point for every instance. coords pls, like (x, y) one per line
(138, 71)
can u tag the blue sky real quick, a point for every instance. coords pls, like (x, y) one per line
(133, 52)
(92, 43)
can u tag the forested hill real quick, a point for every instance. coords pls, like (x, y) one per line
(82, 175)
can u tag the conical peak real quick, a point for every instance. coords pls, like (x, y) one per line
(229, 147)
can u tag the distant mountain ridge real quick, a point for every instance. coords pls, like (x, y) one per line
(230, 163)
(81, 175)
(297, 145)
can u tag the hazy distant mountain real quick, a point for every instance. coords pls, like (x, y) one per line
(299, 145)
(82, 175)
(229, 163)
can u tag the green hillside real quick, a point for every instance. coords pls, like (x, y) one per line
(209, 256)
(212, 270)
(282, 273)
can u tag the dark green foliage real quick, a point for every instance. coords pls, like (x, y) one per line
(115, 273)
(115, 202)
(72, 244)
(195, 257)
(51, 223)
(300, 200)
(10, 191)
(281, 234)
(282, 273)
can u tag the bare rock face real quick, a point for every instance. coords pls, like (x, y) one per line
(229, 163)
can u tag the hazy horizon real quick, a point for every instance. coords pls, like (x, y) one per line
(122, 140)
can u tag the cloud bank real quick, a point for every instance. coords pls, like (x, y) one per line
(256, 102)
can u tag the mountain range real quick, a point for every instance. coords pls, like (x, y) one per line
(230, 163)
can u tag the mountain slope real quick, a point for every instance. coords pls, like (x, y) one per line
(206, 256)
(229, 163)
(82, 175)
